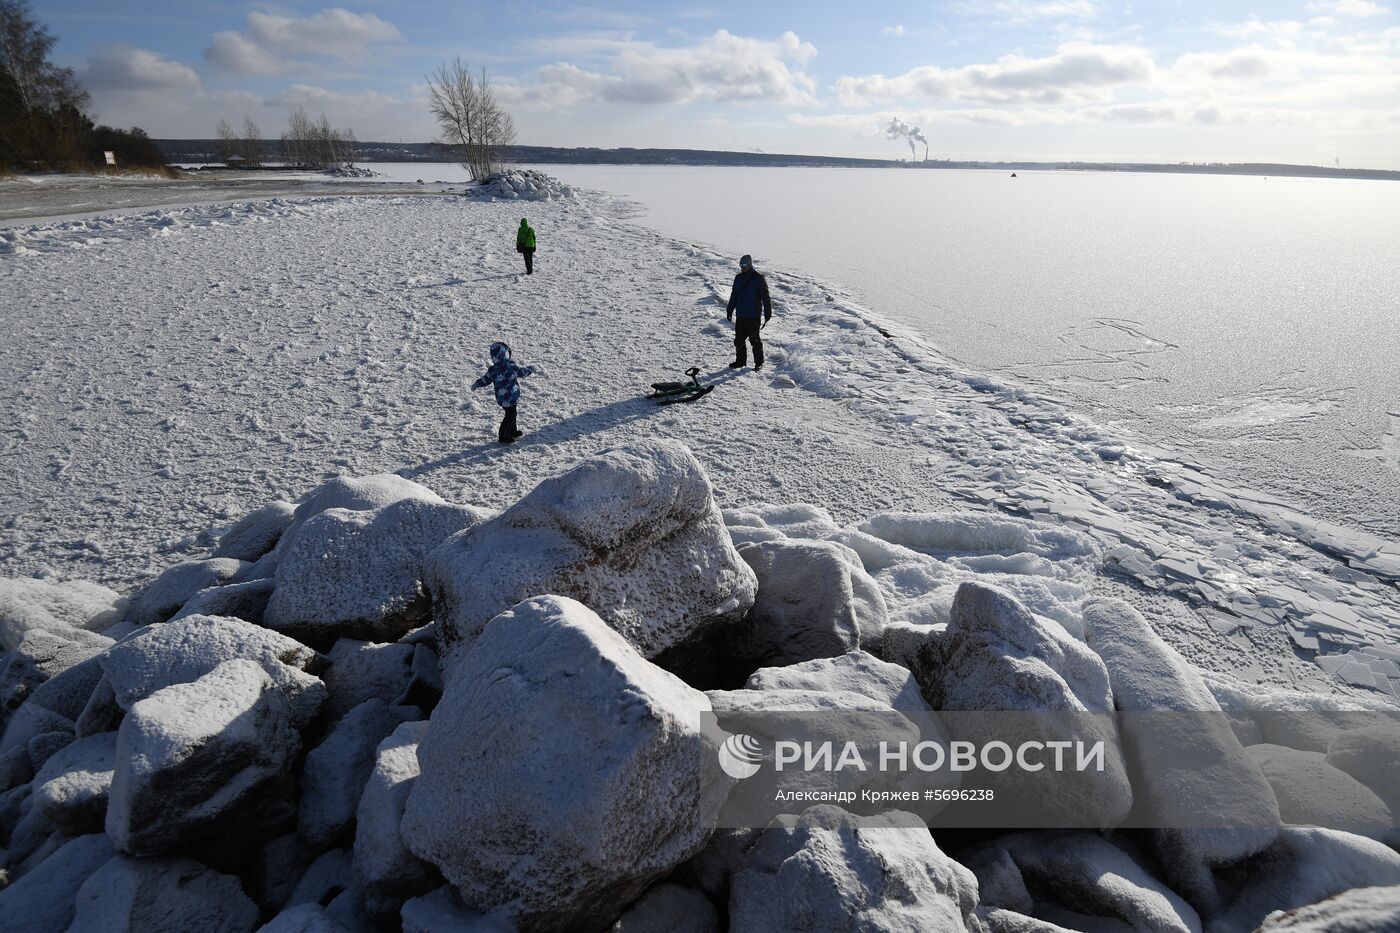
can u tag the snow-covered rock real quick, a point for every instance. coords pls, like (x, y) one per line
(361, 670)
(196, 759)
(814, 600)
(987, 532)
(181, 652)
(521, 185)
(633, 533)
(385, 871)
(669, 908)
(70, 790)
(1302, 867)
(1079, 870)
(246, 601)
(1372, 756)
(166, 594)
(997, 657)
(28, 603)
(325, 879)
(44, 897)
(40, 655)
(1311, 792)
(1360, 910)
(562, 772)
(358, 494)
(162, 895)
(274, 873)
(256, 533)
(441, 911)
(334, 773)
(1000, 920)
(829, 870)
(303, 918)
(359, 574)
(855, 671)
(55, 705)
(1186, 766)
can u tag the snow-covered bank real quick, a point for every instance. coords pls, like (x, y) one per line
(185, 366)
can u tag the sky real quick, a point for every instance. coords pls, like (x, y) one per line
(1303, 81)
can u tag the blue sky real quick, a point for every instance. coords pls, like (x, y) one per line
(1308, 81)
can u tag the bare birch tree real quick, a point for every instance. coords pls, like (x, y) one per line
(315, 143)
(250, 145)
(226, 145)
(472, 121)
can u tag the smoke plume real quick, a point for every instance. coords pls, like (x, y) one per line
(898, 129)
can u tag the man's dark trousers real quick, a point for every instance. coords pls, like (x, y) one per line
(507, 432)
(529, 252)
(747, 328)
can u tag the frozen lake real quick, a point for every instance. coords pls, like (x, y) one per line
(1249, 324)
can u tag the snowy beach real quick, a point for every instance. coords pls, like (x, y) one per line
(344, 662)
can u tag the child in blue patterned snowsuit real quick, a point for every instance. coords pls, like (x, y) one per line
(505, 374)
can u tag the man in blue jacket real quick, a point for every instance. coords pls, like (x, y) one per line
(748, 298)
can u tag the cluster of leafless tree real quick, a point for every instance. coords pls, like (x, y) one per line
(471, 119)
(246, 146)
(315, 143)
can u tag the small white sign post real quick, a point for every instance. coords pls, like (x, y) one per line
(110, 156)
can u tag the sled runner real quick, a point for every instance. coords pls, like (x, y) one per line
(668, 393)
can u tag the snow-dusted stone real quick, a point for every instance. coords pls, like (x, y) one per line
(162, 895)
(358, 494)
(1372, 756)
(562, 772)
(814, 600)
(385, 871)
(44, 746)
(14, 804)
(55, 705)
(979, 532)
(246, 601)
(303, 918)
(442, 911)
(15, 768)
(830, 870)
(669, 908)
(274, 874)
(361, 670)
(1361, 910)
(997, 657)
(1312, 792)
(162, 597)
(334, 773)
(633, 533)
(1000, 920)
(1082, 871)
(856, 671)
(1302, 867)
(102, 712)
(40, 655)
(324, 879)
(43, 898)
(194, 759)
(27, 603)
(71, 788)
(256, 533)
(1182, 763)
(358, 574)
(181, 652)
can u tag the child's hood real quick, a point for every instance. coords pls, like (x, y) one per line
(499, 353)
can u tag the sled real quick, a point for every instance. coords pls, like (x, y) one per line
(669, 393)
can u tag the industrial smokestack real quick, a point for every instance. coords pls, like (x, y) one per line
(898, 129)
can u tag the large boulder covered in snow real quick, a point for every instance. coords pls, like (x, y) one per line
(43, 898)
(247, 601)
(855, 671)
(633, 533)
(334, 773)
(183, 651)
(385, 871)
(1081, 871)
(814, 600)
(166, 594)
(40, 655)
(1303, 866)
(669, 908)
(71, 788)
(162, 895)
(55, 705)
(1371, 755)
(829, 870)
(1360, 910)
(28, 603)
(359, 574)
(562, 772)
(358, 494)
(1311, 792)
(256, 533)
(1211, 803)
(200, 759)
(360, 670)
(1001, 673)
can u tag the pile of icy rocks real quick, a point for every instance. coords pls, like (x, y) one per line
(352, 171)
(378, 710)
(522, 185)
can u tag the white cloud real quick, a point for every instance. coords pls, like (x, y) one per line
(269, 41)
(895, 30)
(120, 69)
(724, 67)
(1076, 71)
(1027, 11)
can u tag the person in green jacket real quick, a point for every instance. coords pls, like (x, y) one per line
(525, 245)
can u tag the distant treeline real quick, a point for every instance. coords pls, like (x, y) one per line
(207, 150)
